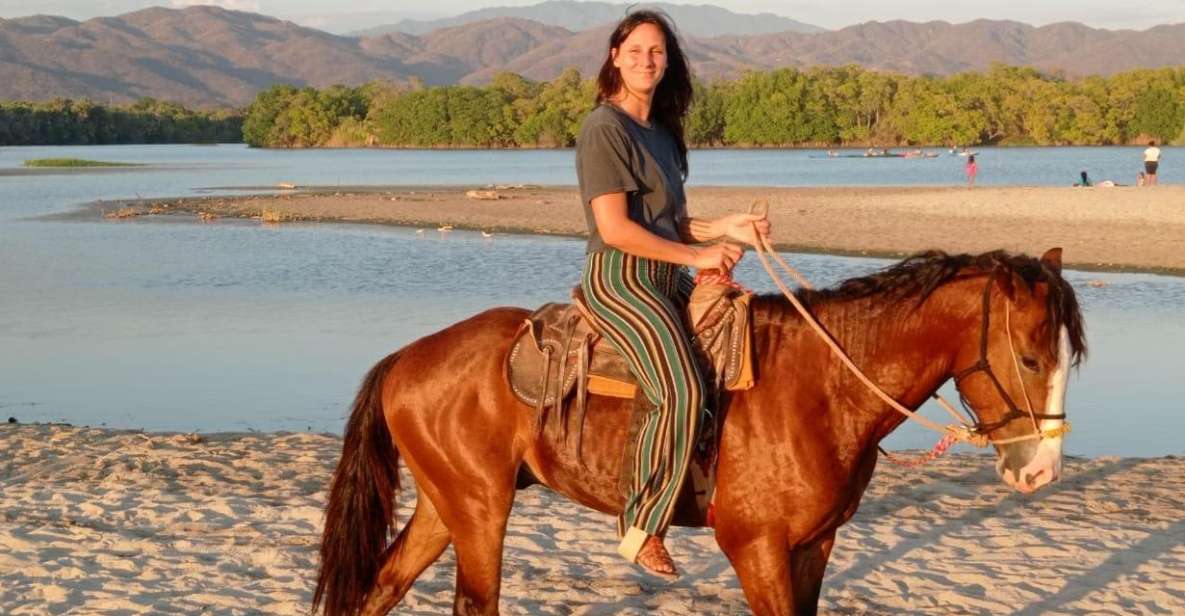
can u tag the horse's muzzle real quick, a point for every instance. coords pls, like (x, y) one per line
(1029, 466)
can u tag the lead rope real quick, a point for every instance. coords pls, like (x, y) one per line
(955, 433)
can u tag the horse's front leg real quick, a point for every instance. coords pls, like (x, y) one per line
(762, 563)
(808, 563)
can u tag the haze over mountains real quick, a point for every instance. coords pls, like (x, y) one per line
(208, 56)
(694, 20)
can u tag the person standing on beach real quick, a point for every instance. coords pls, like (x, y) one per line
(631, 162)
(972, 169)
(1151, 163)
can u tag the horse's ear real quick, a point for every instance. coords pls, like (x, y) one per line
(1052, 259)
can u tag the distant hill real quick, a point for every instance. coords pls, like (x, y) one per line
(935, 47)
(208, 56)
(939, 47)
(452, 55)
(199, 56)
(347, 23)
(694, 20)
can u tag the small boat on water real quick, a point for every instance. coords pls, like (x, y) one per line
(914, 154)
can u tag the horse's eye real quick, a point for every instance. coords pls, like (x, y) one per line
(1031, 364)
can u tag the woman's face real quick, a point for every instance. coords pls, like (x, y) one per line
(642, 58)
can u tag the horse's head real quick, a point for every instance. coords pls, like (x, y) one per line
(1012, 371)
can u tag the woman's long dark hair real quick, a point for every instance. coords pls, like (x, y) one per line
(672, 97)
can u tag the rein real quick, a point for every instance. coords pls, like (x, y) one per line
(970, 432)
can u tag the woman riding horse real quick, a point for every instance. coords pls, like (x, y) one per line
(795, 452)
(631, 161)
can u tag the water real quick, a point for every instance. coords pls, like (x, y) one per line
(183, 168)
(232, 326)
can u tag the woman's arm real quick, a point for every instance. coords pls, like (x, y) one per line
(697, 230)
(617, 230)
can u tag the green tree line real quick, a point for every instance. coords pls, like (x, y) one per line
(822, 106)
(83, 122)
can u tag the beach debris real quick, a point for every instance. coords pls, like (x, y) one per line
(444, 228)
(121, 213)
(207, 216)
(192, 438)
(270, 216)
(511, 186)
(483, 195)
(157, 208)
(286, 186)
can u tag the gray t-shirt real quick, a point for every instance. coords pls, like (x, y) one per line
(616, 154)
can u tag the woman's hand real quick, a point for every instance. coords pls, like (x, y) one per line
(722, 256)
(740, 227)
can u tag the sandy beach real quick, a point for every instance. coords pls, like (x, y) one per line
(97, 521)
(1120, 228)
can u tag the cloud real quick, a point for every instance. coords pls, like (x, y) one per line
(233, 5)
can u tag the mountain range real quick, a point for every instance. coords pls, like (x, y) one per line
(207, 56)
(694, 20)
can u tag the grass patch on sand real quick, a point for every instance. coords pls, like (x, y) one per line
(75, 162)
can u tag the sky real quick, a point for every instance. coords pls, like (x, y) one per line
(830, 14)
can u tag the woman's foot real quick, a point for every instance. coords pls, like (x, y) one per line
(654, 558)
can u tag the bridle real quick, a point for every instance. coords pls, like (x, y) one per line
(984, 365)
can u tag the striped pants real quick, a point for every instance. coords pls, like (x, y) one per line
(638, 305)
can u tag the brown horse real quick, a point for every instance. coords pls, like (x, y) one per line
(795, 452)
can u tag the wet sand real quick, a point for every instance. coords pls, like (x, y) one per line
(96, 521)
(1122, 228)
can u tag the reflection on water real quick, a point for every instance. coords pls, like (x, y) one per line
(168, 324)
(241, 326)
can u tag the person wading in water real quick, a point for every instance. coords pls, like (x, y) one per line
(631, 161)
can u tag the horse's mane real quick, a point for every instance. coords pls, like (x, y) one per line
(917, 276)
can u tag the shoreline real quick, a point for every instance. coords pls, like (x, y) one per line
(124, 521)
(1120, 229)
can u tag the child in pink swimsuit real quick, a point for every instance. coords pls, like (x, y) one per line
(972, 169)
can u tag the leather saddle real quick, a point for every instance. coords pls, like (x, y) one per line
(557, 351)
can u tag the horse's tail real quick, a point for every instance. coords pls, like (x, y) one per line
(361, 509)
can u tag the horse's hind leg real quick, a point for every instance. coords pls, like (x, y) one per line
(478, 531)
(418, 545)
(471, 481)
